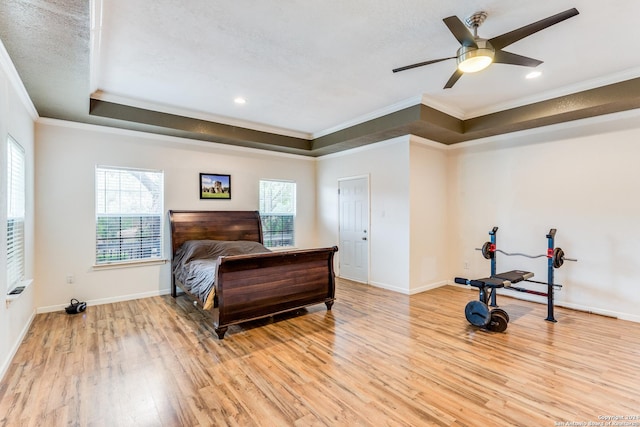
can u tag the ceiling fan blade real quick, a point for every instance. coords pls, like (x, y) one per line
(453, 79)
(502, 57)
(420, 64)
(460, 31)
(506, 39)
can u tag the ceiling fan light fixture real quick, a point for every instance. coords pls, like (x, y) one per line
(472, 59)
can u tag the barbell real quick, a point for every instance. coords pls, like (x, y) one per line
(488, 251)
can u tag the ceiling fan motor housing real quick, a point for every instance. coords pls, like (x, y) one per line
(471, 58)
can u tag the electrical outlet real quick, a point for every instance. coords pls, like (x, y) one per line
(466, 265)
(70, 279)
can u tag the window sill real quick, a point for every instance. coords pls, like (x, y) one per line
(12, 298)
(282, 248)
(128, 264)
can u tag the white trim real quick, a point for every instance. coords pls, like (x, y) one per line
(628, 74)
(525, 135)
(11, 298)
(602, 312)
(96, 44)
(128, 264)
(394, 108)
(110, 300)
(349, 178)
(155, 137)
(427, 287)
(7, 65)
(456, 112)
(16, 345)
(384, 143)
(413, 291)
(389, 287)
(429, 143)
(200, 115)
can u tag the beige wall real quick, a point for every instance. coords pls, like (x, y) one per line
(66, 155)
(581, 178)
(429, 228)
(16, 119)
(386, 165)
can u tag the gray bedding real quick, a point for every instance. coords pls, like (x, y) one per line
(194, 263)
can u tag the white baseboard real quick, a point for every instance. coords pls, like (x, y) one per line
(428, 287)
(602, 312)
(389, 287)
(52, 308)
(413, 291)
(16, 346)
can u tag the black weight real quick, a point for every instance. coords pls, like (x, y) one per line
(498, 322)
(501, 311)
(558, 257)
(477, 313)
(486, 250)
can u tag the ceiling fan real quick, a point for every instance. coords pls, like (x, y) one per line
(476, 53)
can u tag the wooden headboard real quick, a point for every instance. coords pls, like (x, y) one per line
(214, 225)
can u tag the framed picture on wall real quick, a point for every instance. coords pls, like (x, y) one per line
(215, 186)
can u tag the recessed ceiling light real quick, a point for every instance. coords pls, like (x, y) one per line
(533, 74)
(240, 100)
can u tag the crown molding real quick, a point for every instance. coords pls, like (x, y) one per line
(112, 98)
(12, 74)
(628, 74)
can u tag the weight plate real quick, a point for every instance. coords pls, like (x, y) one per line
(558, 257)
(498, 322)
(486, 252)
(477, 313)
(501, 311)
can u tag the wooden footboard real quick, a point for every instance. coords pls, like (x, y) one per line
(250, 287)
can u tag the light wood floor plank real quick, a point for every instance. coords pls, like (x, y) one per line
(377, 359)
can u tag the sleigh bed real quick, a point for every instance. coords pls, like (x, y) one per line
(244, 286)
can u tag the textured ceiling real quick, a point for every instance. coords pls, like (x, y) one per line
(316, 75)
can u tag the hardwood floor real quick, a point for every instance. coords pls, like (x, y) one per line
(378, 358)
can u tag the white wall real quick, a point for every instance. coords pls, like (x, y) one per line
(66, 156)
(581, 178)
(16, 119)
(429, 227)
(387, 165)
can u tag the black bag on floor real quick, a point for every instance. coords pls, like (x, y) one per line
(76, 307)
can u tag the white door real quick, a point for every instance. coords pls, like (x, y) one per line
(354, 228)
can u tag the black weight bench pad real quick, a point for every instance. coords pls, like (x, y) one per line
(489, 282)
(513, 276)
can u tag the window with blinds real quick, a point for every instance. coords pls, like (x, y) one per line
(278, 212)
(129, 206)
(16, 176)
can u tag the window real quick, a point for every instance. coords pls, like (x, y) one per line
(15, 213)
(128, 215)
(278, 212)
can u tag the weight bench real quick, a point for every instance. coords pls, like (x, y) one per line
(513, 276)
(477, 312)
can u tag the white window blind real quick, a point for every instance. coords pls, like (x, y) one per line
(129, 205)
(278, 212)
(16, 174)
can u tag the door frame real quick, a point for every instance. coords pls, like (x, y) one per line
(351, 178)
